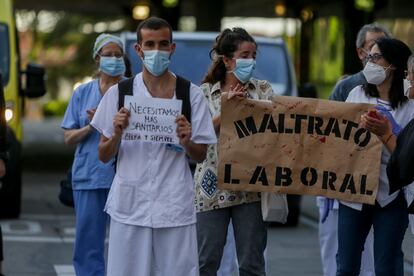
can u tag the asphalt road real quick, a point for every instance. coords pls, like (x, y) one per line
(40, 242)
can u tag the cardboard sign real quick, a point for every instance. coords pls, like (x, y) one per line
(298, 146)
(152, 119)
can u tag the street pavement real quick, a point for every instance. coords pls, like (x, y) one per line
(40, 242)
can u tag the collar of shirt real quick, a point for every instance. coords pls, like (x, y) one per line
(383, 103)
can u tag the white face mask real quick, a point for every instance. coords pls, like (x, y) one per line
(407, 88)
(374, 73)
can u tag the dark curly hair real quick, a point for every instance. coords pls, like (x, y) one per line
(396, 53)
(227, 42)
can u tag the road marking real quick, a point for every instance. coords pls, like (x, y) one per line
(32, 239)
(47, 217)
(64, 270)
(69, 230)
(38, 239)
(21, 227)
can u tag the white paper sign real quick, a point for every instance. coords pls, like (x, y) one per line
(152, 119)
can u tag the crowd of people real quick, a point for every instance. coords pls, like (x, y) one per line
(154, 211)
(155, 204)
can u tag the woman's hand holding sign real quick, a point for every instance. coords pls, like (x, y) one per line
(376, 123)
(238, 91)
(380, 125)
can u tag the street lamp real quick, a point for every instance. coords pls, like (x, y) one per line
(141, 11)
(280, 9)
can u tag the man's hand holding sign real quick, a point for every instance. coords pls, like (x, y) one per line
(299, 146)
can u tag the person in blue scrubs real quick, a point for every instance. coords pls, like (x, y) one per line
(91, 179)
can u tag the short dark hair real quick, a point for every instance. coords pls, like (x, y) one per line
(153, 23)
(396, 53)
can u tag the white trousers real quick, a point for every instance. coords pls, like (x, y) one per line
(328, 241)
(144, 251)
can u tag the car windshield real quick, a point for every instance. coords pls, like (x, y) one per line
(191, 60)
(4, 53)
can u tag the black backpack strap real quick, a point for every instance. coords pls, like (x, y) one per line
(125, 88)
(182, 91)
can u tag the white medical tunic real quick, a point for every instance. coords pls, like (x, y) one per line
(153, 185)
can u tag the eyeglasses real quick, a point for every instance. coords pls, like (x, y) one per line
(374, 57)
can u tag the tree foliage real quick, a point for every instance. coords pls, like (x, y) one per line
(66, 49)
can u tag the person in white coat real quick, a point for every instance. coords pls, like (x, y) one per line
(151, 201)
(384, 73)
(328, 208)
(400, 144)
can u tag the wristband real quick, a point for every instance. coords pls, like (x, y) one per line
(389, 137)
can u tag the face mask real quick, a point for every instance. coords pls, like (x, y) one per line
(156, 61)
(112, 66)
(407, 88)
(244, 69)
(374, 73)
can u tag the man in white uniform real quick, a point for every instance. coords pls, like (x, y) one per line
(151, 201)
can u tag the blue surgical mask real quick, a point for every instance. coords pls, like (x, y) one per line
(112, 66)
(156, 61)
(244, 69)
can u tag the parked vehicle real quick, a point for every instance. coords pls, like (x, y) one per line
(191, 60)
(11, 75)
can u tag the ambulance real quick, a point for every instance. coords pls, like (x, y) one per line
(17, 85)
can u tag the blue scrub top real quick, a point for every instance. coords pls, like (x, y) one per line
(88, 172)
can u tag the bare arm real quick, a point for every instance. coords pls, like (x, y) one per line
(389, 141)
(196, 152)
(108, 147)
(74, 136)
